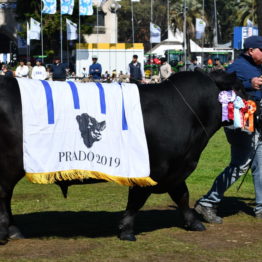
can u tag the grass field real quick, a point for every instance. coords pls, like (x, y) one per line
(84, 227)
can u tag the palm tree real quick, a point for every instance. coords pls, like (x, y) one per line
(243, 11)
(194, 10)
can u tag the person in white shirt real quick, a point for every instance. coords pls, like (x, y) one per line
(22, 70)
(165, 70)
(84, 72)
(39, 71)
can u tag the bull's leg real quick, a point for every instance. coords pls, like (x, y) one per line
(136, 199)
(180, 195)
(13, 231)
(7, 228)
(4, 218)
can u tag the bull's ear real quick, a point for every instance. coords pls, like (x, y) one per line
(102, 125)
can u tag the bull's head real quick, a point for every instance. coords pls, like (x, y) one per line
(90, 129)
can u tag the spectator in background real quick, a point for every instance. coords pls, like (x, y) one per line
(95, 69)
(165, 69)
(39, 71)
(30, 69)
(6, 71)
(106, 75)
(22, 70)
(84, 72)
(193, 64)
(59, 70)
(48, 73)
(135, 71)
(217, 65)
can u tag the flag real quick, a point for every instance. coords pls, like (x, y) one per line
(35, 29)
(27, 34)
(67, 7)
(71, 29)
(86, 7)
(155, 33)
(49, 7)
(200, 28)
(135, 0)
(249, 23)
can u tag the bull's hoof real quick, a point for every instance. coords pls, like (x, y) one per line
(3, 241)
(127, 236)
(197, 226)
(15, 233)
(3, 237)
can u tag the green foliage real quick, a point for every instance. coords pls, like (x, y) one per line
(142, 13)
(230, 13)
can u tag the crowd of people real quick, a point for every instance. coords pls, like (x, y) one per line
(134, 72)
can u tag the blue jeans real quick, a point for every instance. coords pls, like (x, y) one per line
(244, 147)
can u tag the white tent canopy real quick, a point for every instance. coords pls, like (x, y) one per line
(195, 48)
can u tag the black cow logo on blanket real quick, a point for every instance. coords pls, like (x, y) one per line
(90, 129)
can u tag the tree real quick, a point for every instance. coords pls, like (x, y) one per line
(141, 21)
(193, 11)
(243, 11)
(51, 24)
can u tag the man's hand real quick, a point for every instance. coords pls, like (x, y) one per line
(256, 82)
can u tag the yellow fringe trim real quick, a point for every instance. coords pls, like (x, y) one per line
(52, 177)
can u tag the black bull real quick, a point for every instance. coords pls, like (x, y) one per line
(180, 115)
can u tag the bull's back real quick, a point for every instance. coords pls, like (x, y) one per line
(174, 134)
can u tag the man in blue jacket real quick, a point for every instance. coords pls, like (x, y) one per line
(95, 69)
(59, 70)
(244, 146)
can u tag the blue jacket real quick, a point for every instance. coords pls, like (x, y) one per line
(95, 70)
(59, 71)
(246, 69)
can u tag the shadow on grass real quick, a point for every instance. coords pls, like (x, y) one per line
(91, 224)
(233, 205)
(104, 224)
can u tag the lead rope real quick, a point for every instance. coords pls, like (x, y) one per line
(191, 109)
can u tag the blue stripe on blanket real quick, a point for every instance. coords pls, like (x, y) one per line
(124, 122)
(49, 102)
(102, 98)
(75, 94)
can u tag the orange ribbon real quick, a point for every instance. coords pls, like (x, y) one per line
(249, 115)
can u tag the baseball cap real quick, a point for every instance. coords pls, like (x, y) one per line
(94, 57)
(253, 42)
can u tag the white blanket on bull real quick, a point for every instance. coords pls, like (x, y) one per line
(76, 131)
